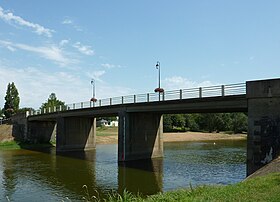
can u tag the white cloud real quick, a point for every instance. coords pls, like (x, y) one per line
(35, 85)
(96, 75)
(84, 49)
(63, 42)
(67, 21)
(110, 66)
(13, 19)
(178, 82)
(70, 22)
(51, 52)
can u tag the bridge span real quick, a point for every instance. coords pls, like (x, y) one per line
(141, 125)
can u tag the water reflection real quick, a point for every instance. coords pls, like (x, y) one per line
(49, 176)
(143, 176)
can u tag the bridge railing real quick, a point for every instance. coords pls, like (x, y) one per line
(202, 92)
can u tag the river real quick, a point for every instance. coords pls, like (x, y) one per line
(27, 175)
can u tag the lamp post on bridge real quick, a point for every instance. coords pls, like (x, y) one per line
(159, 89)
(93, 99)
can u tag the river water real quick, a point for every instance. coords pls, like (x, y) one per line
(27, 175)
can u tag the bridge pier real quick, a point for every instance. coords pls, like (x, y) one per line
(41, 131)
(75, 133)
(263, 143)
(140, 136)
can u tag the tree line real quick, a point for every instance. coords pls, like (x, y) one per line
(12, 101)
(208, 122)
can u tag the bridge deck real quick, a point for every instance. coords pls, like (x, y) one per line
(219, 104)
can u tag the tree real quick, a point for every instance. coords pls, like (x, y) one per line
(52, 103)
(239, 122)
(167, 123)
(11, 100)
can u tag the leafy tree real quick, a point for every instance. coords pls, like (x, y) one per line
(11, 100)
(167, 123)
(239, 122)
(52, 103)
(25, 109)
(178, 120)
(192, 122)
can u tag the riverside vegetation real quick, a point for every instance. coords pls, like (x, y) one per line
(265, 188)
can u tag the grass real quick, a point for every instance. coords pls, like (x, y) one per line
(9, 145)
(106, 131)
(265, 188)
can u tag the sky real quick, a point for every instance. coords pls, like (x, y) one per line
(59, 46)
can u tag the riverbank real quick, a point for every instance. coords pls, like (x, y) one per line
(265, 188)
(110, 136)
(179, 137)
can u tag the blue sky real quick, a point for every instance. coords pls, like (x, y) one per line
(58, 46)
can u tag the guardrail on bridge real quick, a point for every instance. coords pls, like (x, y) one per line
(201, 92)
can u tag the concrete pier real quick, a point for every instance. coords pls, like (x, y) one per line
(75, 133)
(40, 131)
(140, 136)
(263, 143)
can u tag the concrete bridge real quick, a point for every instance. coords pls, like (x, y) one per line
(141, 125)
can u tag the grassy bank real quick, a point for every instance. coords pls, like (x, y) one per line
(266, 188)
(9, 145)
(17, 145)
(106, 131)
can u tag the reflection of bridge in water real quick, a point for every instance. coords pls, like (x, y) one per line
(69, 171)
(140, 119)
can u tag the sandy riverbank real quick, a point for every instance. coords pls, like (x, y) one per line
(111, 137)
(180, 137)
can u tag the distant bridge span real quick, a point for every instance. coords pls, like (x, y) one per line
(140, 119)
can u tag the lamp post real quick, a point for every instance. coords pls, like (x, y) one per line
(159, 89)
(93, 99)
(158, 67)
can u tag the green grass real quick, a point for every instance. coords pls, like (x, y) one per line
(106, 131)
(265, 188)
(9, 145)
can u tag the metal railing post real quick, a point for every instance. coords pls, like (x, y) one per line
(82, 105)
(181, 94)
(89, 103)
(163, 96)
(223, 90)
(134, 98)
(110, 101)
(60, 108)
(200, 92)
(74, 106)
(148, 97)
(99, 103)
(122, 99)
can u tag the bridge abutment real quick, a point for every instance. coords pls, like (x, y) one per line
(263, 143)
(75, 133)
(140, 136)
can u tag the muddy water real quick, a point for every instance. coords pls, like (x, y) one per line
(27, 175)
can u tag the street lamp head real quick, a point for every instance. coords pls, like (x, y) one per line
(158, 65)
